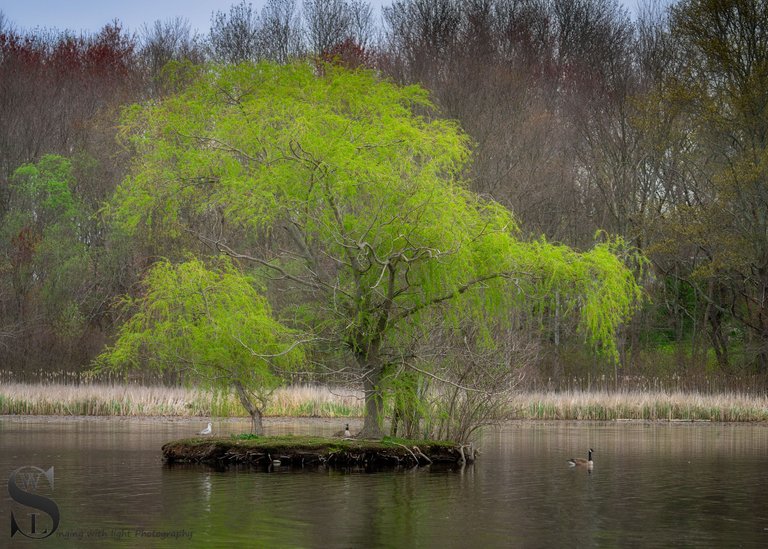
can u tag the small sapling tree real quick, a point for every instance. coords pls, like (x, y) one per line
(212, 324)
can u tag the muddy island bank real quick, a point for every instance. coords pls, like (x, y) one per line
(310, 451)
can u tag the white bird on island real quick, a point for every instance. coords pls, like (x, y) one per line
(207, 430)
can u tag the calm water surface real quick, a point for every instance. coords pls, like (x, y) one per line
(653, 485)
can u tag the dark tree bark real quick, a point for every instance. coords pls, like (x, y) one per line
(257, 428)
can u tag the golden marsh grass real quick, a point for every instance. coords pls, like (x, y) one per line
(640, 405)
(108, 399)
(101, 399)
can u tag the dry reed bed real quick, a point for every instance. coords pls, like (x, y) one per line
(312, 401)
(638, 405)
(99, 399)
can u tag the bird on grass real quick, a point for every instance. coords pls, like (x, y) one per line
(207, 430)
(581, 462)
(345, 433)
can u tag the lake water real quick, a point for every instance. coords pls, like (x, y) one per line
(653, 485)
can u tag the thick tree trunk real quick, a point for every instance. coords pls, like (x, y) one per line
(717, 335)
(257, 428)
(374, 402)
(762, 362)
(719, 343)
(762, 322)
(762, 349)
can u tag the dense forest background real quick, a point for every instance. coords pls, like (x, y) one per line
(584, 120)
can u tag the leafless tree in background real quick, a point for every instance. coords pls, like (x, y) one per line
(420, 38)
(279, 34)
(5, 24)
(233, 36)
(331, 22)
(165, 41)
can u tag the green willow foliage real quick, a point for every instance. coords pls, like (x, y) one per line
(210, 322)
(365, 185)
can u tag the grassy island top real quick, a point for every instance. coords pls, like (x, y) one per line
(312, 443)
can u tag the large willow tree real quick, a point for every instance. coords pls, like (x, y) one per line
(347, 192)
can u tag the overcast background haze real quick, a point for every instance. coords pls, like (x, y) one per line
(92, 15)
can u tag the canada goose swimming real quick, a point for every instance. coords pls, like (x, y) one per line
(207, 430)
(581, 462)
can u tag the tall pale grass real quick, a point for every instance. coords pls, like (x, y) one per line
(316, 401)
(640, 405)
(107, 399)
(102, 399)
